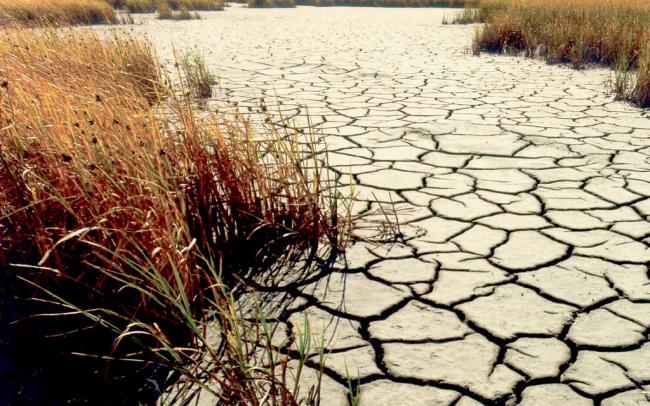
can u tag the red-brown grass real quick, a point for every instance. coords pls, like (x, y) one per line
(271, 3)
(166, 13)
(132, 209)
(149, 6)
(56, 11)
(392, 3)
(572, 31)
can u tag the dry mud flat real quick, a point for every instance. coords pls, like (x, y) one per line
(523, 278)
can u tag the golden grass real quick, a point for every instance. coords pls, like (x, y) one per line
(149, 6)
(56, 11)
(271, 3)
(131, 209)
(641, 90)
(390, 3)
(360, 3)
(196, 76)
(573, 31)
(166, 13)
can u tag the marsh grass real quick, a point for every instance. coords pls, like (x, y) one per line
(271, 3)
(150, 6)
(124, 210)
(166, 13)
(359, 3)
(388, 3)
(641, 93)
(624, 77)
(578, 32)
(124, 17)
(467, 15)
(56, 12)
(195, 75)
(85, 12)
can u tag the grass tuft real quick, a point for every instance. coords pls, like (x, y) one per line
(388, 3)
(271, 3)
(150, 6)
(196, 76)
(127, 212)
(641, 93)
(65, 12)
(578, 32)
(166, 13)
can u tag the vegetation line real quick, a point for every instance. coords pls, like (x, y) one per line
(614, 33)
(133, 223)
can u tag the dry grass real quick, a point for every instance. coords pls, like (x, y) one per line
(271, 3)
(573, 31)
(137, 215)
(149, 6)
(195, 75)
(56, 11)
(641, 90)
(166, 13)
(389, 3)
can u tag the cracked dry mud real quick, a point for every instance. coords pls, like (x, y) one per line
(523, 191)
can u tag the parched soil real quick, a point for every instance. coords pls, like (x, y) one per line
(522, 191)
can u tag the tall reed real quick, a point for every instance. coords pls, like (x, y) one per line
(388, 3)
(166, 13)
(394, 3)
(271, 3)
(149, 6)
(125, 210)
(571, 31)
(56, 11)
(195, 74)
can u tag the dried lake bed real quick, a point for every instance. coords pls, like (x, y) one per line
(523, 194)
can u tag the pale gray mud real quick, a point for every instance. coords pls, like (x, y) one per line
(523, 277)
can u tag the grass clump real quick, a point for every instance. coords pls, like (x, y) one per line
(150, 6)
(476, 11)
(166, 13)
(56, 12)
(632, 77)
(271, 3)
(607, 32)
(467, 15)
(135, 225)
(197, 78)
(389, 3)
(641, 93)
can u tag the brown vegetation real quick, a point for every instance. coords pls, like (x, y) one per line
(614, 33)
(166, 13)
(56, 11)
(149, 6)
(125, 210)
(389, 3)
(271, 3)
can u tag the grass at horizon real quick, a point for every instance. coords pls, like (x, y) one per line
(69, 12)
(614, 33)
(166, 13)
(389, 3)
(359, 3)
(150, 6)
(85, 12)
(271, 3)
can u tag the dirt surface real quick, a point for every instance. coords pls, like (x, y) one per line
(524, 190)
